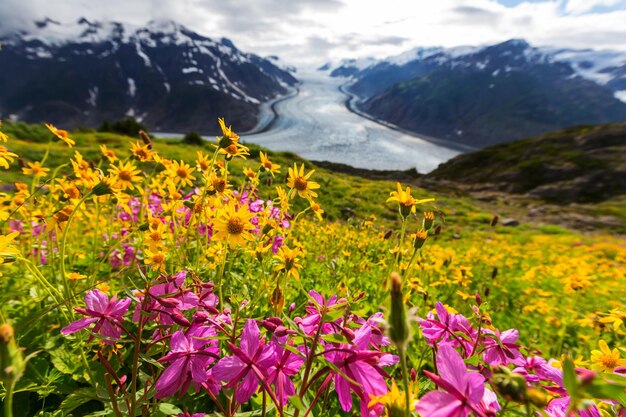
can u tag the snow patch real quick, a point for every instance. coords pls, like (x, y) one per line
(620, 95)
(132, 88)
(93, 96)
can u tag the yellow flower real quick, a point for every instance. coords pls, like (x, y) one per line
(406, 202)
(203, 163)
(155, 258)
(83, 170)
(300, 184)
(6, 157)
(35, 168)
(288, 261)
(181, 172)
(615, 317)
(60, 217)
(75, 276)
(317, 209)
(218, 184)
(142, 152)
(229, 142)
(283, 199)
(155, 235)
(3, 136)
(267, 165)
(227, 131)
(233, 225)
(108, 153)
(61, 134)
(605, 360)
(124, 175)
(394, 400)
(7, 250)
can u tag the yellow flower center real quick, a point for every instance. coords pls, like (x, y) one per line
(125, 175)
(235, 226)
(267, 164)
(155, 236)
(158, 258)
(300, 183)
(182, 172)
(141, 153)
(231, 149)
(219, 184)
(204, 165)
(609, 361)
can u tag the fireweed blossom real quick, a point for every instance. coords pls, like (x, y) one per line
(504, 352)
(167, 300)
(108, 316)
(310, 323)
(443, 327)
(248, 365)
(362, 366)
(286, 364)
(190, 356)
(462, 393)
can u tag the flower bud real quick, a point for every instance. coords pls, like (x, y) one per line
(537, 397)
(399, 330)
(11, 360)
(420, 239)
(102, 188)
(511, 386)
(277, 299)
(179, 318)
(429, 220)
(167, 302)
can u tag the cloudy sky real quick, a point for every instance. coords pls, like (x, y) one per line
(310, 32)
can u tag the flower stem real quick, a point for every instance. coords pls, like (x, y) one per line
(405, 381)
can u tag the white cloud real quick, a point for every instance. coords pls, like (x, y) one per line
(310, 32)
(583, 6)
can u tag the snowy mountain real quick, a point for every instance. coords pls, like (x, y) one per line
(485, 95)
(163, 74)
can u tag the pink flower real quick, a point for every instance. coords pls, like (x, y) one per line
(248, 365)
(189, 358)
(108, 316)
(361, 366)
(286, 364)
(310, 323)
(462, 390)
(504, 352)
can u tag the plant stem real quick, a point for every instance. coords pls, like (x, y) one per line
(8, 400)
(405, 381)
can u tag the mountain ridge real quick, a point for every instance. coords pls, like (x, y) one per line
(163, 74)
(480, 96)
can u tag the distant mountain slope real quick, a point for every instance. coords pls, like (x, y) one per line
(480, 96)
(581, 164)
(165, 75)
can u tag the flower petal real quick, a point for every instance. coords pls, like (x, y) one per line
(172, 378)
(246, 388)
(78, 325)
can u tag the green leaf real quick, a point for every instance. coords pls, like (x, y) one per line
(335, 338)
(169, 409)
(569, 377)
(297, 402)
(78, 398)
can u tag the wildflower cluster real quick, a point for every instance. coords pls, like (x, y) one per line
(208, 290)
